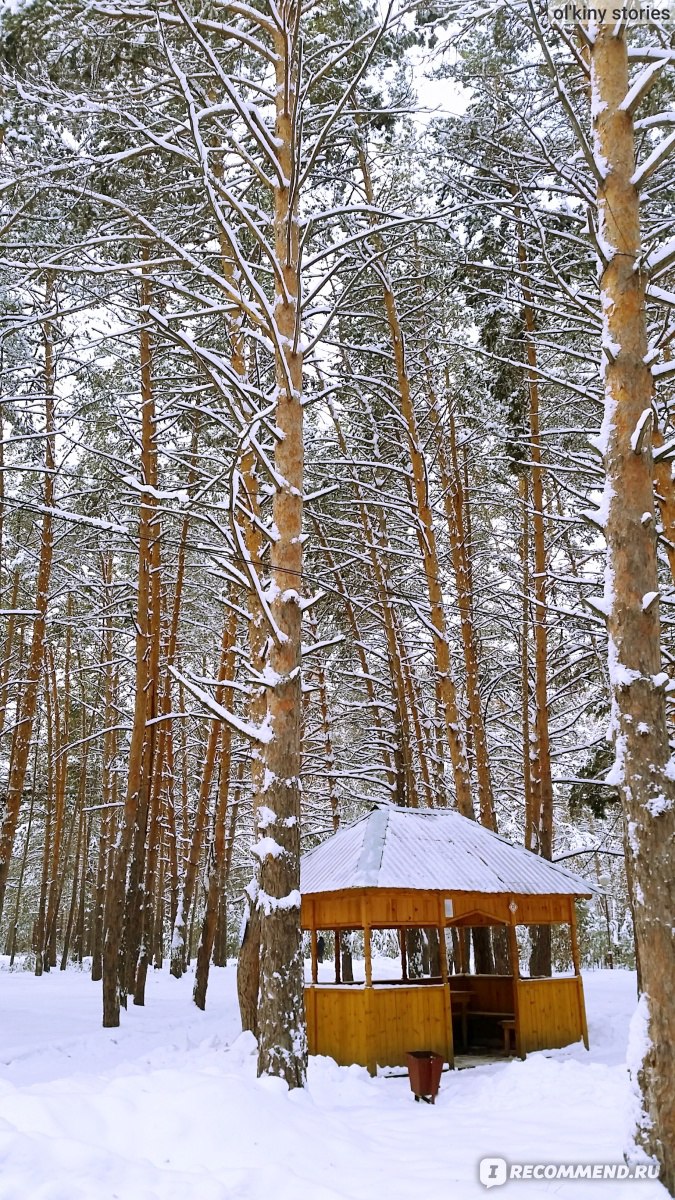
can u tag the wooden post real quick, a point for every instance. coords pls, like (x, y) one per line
(443, 956)
(338, 948)
(315, 958)
(573, 935)
(515, 968)
(367, 956)
(404, 954)
(513, 952)
(369, 1015)
(577, 971)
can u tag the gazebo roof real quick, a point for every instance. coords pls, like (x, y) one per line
(431, 850)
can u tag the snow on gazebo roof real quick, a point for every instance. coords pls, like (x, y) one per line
(430, 850)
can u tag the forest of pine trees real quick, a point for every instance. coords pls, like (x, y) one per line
(336, 366)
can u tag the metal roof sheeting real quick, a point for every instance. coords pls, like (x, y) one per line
(431, 850)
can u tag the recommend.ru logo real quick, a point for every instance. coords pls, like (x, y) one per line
(493, 1171)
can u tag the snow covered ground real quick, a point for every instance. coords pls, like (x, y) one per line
(168, 1107)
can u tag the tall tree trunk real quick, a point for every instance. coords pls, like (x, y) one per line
(27, 702)
(413, 706)
(359, 646)
(282, 1029)
(39, 934)
(542, 782)
(61, 728)
(455, 501)
(10, 948)
(148, 902)
(530, 836)
(217, 849)
(107, 819)
(70, 921)
(179, 942)
(644, 769)
(326, 733)
(9, 647)
(115, 968)
(407, 789)
(425, 528)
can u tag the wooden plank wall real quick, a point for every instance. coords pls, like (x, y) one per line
(550, 1012)
(337, 1023)
(376, 1026)
(491, 993)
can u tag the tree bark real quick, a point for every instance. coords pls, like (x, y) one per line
(643, 770)
(282, 1028)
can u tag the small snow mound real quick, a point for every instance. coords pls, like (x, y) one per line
(243, 1047)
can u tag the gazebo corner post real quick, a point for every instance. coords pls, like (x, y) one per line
(577, 970)
(515, 970)
(338, 951)
(443, 956)
(367, 956)
(315, 956)
(368, 999)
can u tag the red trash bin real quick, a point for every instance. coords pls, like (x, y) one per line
(424, 1070)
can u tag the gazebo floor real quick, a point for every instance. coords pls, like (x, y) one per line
(464, 1061)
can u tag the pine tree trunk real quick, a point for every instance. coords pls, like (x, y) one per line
(10, 948)
(107, 819)
(9, 647)
(82, 897)
(643, 770)
(360, 649)
(179, 950)
(218, 846)
(282, 1030)
(405, 776)
(27, 702)
(542, 782)
(426, 531)
(455, 504)
(61, 725)
(73, 894)
(530, 837)
(115, 958)
(413, 706)
(39, 933)
(214, 872)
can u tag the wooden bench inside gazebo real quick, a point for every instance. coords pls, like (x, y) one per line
(402, 869)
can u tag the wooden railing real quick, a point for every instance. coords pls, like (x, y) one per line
(550, 1012)
(377, 1025)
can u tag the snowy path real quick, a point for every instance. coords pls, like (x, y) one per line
(168, 1107)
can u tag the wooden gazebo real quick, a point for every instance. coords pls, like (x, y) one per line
(402, 869)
